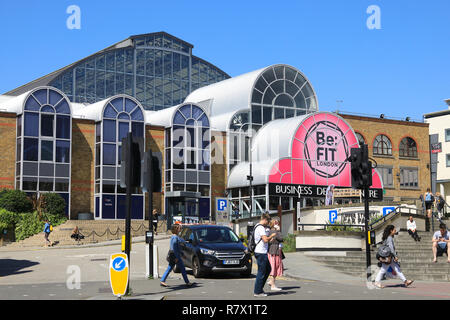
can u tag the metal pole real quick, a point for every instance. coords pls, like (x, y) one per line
(366, 227)
(150, 208)
(128, 173)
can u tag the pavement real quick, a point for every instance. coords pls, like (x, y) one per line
(44, 273)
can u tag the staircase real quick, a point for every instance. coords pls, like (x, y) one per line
(416, 259)
(94, 231)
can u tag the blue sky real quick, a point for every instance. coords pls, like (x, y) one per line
(400, 70)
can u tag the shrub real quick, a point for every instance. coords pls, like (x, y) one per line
(29, 224)
(331, 227)
(242, 236)
(289, 244)
(53, 204)
(7, 219)
(15, 201)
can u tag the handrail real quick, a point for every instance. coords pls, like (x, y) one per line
(303, 225)
(396, 211)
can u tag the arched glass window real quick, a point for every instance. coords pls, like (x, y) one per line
(281, 92)
(238, 139)
(360, 137)
(382, 146)
(121, 115)
(44, 144)
(157, 69)
(408, 148)
(188, 164)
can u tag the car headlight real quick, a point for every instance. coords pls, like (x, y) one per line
(207, 251)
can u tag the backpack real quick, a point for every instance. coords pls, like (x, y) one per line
(384, 252)
(251, 240)
(51, 228)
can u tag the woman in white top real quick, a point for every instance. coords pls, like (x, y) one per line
(412, 228)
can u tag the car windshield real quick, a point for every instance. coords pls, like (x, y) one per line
(217, 235)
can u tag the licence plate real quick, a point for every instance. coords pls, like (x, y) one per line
(230, 261)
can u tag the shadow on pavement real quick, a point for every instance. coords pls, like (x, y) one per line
(10, 267)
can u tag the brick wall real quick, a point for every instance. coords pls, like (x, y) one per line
(219, 172)
(8, 150)
(83, 162)
(154, 140)
(396, 131)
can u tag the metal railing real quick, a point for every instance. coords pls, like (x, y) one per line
(393, 213)
(113, 234)
(325, 226)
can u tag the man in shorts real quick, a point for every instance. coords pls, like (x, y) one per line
(440, 243)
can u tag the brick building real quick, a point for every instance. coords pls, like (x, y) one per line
(62, 133)
(401, 150)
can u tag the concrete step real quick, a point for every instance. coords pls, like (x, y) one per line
(404, 260)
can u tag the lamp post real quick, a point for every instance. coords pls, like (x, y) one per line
(250, 176)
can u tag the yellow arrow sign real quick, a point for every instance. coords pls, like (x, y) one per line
(119, 273)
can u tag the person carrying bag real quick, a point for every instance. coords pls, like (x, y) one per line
(388, 258)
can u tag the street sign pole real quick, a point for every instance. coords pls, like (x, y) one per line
(149, 168)
(366, 227)
(128, 172)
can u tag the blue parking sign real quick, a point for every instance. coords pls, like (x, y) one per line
(333, 216)
(387, 210)
(221, 205)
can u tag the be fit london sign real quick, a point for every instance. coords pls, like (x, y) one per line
(319, 155)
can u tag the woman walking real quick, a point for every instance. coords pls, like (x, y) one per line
(174, 257)
(275, 254)
(392, 260)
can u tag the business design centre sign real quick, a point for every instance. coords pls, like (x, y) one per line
(319, 155)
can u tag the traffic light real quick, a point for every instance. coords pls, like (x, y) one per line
(134, 147)
(361, 168)
(150, 173)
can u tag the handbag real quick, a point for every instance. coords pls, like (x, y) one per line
(282, 255)
(171, 257)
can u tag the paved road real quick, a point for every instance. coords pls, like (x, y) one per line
(49, 273)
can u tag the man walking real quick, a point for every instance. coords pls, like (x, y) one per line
(262, 240)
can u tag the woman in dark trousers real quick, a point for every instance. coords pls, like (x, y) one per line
(176, 257)
(392, 261)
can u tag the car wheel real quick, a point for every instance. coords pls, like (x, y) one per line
(196, 268)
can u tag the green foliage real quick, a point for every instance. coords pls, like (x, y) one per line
(289, 244)
(53, 204)
(15, 201)
(29, 224)
(242, 236)
(330, 227)
(375, 219)
(7, 219)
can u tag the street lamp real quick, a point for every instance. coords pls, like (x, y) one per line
(250, 176)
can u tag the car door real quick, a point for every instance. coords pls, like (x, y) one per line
(186, 247)
(182, 245)
(189, 248)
